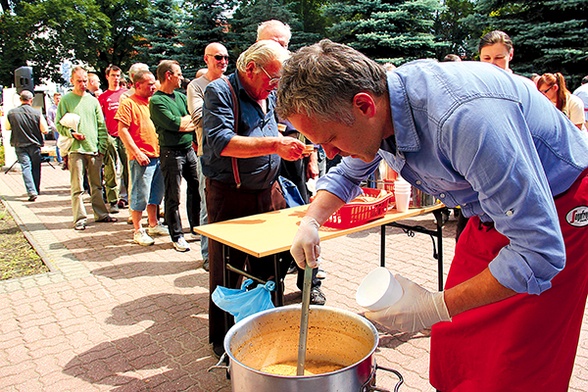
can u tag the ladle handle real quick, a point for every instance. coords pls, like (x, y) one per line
(304, 321)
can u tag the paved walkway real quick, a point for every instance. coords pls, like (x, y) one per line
(114, 316)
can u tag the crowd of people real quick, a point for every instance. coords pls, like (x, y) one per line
(476, 137)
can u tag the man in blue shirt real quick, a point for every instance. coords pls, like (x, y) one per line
(473, 136)
(242, 149)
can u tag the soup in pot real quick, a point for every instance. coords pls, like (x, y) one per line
(310, 368)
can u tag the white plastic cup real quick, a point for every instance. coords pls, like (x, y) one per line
(378, 290)
(402, 200)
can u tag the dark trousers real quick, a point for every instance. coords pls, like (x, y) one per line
(224, 202)
(175, 164)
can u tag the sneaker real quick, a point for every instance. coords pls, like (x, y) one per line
(142, 238)
(321, 274)
(206, 266)
(158, 229)
(80, 225)
(32, 197)
(113, 208)
(317, 297)
(181, 245)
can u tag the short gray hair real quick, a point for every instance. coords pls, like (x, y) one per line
(136, 68)
(321, 80)
(262, 53)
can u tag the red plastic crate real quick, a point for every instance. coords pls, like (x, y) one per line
(357, 213)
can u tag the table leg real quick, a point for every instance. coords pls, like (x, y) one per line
(226, 256)
(279, 283)
(383, 245)
(439, 221)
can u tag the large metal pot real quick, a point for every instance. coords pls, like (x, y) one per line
(335, 336)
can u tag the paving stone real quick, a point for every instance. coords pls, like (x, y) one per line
(116, 316)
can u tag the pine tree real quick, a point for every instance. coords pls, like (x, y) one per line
(161, 33)
(395, 31)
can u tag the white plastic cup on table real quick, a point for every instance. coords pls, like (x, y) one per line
(378, 290)
(402, 190)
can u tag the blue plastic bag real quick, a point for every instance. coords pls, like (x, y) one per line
(242, 302)
(291, 192)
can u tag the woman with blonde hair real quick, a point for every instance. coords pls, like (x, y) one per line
(553, 86)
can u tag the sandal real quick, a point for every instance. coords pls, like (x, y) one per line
(108, 219)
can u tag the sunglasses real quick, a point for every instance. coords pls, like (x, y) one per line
(545, 91)
(219, 57)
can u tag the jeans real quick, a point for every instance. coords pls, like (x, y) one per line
(203, 212)
(90, 164)
(147, 186)
(175, 164)
(58, 157)
(30, 160)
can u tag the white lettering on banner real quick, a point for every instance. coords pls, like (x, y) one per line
(578, 216)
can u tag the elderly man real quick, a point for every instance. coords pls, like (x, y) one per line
(88, 147)
(474, 136)
(242, 157)
(137, 132)
(28, 126)
(169, 113)
(216, 58)
(298, 171)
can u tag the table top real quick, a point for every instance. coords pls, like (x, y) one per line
(272, 232)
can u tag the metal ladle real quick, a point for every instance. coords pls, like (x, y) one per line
(304, 320)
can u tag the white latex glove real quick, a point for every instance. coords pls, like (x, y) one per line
(416, 310)
(306, 244)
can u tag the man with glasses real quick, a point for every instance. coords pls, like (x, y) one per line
(175, 130)
(242, 149)
(216, 58)
(298, 171)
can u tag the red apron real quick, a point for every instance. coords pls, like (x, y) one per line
(526, 342)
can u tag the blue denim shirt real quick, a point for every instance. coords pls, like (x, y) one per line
(218, 129)
(477, 137)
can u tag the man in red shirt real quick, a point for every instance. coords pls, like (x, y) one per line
(109, 102)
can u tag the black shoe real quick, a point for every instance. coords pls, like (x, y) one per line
(317, 297)
(218, 349)
(292, 269)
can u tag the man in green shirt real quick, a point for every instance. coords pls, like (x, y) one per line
(87, 150)
(176, 132)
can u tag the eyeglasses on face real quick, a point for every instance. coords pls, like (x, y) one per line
(546, 90)
(272, 79)
(219, 57)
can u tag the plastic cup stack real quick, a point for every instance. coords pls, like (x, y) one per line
(402, 194)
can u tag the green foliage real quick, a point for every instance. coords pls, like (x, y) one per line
(47, 32)
(206, 22)
(161, 28)
(124, 35)
(548, 36)
(397, 31)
